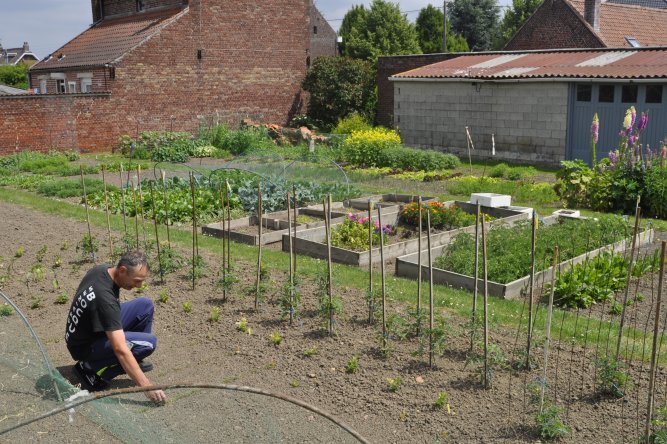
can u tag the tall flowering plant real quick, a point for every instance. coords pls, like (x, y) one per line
(595, 129)
(630, 153)
(442, 216)
(353, 233)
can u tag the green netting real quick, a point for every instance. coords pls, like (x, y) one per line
(30, 388)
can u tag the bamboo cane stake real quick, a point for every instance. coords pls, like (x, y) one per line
(329, 267)
(486, 305)
(85, 202)
(532, 286)
(141, 203)
(224, 265)
(194, 230)
(371, 297)
(627, 282)
(549, 319)
(419, 267)
(229, 224)
(654, 355)
(157, 237)
(259, 249)
(473, 326)
(106, 210)
(136, 215)
(166, 209)
(122, 191)
(296, 212)
(384, 288)
(430, 289)
(291, 263)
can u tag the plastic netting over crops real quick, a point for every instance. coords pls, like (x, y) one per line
(30, 388)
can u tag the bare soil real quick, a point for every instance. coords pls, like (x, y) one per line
(191, 348)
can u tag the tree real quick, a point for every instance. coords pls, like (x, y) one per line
(429, 31)
(355, 18)
(515, 17)
(384, 31)
(477, 21)
(339, 86)
(14, 75)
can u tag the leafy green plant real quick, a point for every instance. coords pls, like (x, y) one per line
(242, 326)
(163, 296)
(199, 269)
(616, 308)
(310, 352)
(275, 338)
(38, 272)
(20, 251)
(41, 253)
(87, 246)
(215, 314)
(442, 216)
(62, 299)
(393, 384)
(36, 302)
(522, 191)
(352, 365)
(289, 300)
(435, 338)
(170, 260)
(187, 306)
(441, 401)
(659, 422)
(549, 423)
(64, 246)
(6, 310)
(351, 123)
(353, 233)
(57, 262)
(612, 378)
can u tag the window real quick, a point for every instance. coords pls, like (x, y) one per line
(584, 93)
(314, 29)
(86, 85)
(632, 41)
(653, 93)
(42, 86)
(606, 94)
(60, 86)
(629, 93)
(71, 87)
(141, 5)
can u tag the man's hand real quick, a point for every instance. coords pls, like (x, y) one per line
(156, 396)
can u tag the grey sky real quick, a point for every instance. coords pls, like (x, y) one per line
(48, 24)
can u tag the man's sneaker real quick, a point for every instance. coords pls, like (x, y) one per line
(145, 366)
(91, 381)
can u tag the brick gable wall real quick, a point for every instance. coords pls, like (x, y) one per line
(114, 8)
(252, 63)
(322, 43)
(553, 25)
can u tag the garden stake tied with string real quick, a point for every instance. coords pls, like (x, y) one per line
(85, 202)
(122, 191)
(136, 215)
(141, 204)
(259, 246)
(547, 341)
(295, 240)
(384, 288)
(531, 295)
(486, 307)
(195, 247)
(430, 289)
(473, 325)
(224, 248)
(291, 258)
(157, 237)
(327, 224)
(166, 204)
(371, 296)
(419, 273)
(106, 210)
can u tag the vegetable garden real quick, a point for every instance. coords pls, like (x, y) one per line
(578, 357)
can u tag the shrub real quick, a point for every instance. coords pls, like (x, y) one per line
(351, 123)
(353, 233)
(64, 188)
(499, 170)
(415, 159)
(363, 148)
(160, 146)
(656, 191)
(245, 140)
(442, 216)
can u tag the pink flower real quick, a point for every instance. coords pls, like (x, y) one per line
(643, 121)
(595, 128)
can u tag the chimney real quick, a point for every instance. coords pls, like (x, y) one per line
(26, 48)
(592, 13)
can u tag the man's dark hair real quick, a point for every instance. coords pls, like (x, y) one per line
(133, 259)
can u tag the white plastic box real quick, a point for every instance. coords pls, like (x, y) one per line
(491, 199)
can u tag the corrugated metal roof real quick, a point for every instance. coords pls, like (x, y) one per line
(620, 63)
(10, 91)
(108, 40)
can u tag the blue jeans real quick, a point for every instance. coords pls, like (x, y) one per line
(136, 317)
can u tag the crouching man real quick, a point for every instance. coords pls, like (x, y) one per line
(108, 338)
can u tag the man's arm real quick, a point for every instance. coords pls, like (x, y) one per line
(130, 365)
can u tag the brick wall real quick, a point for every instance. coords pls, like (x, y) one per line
(554, 25)
(44, 122)
(388, 66)
(529, 120)
(252, 64)
(116, 8)
(322, 43)
(99, 76)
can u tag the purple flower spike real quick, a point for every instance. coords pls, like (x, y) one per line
(631, 140)
(595, 128)
(643, 121)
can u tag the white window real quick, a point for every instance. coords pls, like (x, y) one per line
(71, 87)
(42, 86)
(86, 85)
(60, 86)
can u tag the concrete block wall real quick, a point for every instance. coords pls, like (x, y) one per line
(529, 120)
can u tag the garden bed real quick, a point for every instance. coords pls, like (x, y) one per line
(407, 266)
(386, 200)
(312, 242)
(274, 225)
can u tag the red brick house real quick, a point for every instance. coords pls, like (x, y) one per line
(590, 24)
(164, 64)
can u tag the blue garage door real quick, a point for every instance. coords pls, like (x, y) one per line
(611, 101)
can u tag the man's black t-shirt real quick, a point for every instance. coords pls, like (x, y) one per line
(95, 310)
